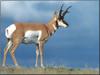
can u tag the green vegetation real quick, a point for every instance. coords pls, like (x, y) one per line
(47, 70)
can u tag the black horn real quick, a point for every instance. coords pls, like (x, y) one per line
(60, 12)
(66, 11)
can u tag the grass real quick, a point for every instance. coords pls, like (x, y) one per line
(47, 70)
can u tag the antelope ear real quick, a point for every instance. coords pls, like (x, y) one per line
(55, 16)
(55, 13)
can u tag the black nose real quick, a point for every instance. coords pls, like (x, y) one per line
(66, 23)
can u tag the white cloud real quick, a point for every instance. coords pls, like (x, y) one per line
(23, 10)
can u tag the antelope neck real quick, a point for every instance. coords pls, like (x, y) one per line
(52, 28)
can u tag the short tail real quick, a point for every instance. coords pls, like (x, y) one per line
(7, 33)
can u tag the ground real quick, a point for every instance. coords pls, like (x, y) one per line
(47, 70)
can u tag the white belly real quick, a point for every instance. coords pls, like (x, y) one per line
(32, 37)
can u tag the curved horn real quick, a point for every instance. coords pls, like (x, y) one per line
(66, 11)
(61, 10)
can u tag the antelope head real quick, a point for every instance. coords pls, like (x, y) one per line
(59, 17)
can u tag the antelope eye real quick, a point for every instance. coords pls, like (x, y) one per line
(60, 18)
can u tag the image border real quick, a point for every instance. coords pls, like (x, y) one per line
(44, 0)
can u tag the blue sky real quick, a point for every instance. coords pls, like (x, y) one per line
(75, 46)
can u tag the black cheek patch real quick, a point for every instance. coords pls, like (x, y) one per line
(57, 24)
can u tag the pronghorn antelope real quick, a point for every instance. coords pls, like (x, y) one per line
(33, 33)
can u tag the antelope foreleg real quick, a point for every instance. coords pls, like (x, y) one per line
(37, 54)
(41, 44)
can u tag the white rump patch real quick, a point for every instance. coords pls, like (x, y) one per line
(32, 36)
(9, 30)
